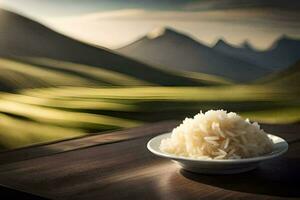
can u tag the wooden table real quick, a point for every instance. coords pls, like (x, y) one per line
(117, 165)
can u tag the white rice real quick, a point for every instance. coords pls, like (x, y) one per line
(217, 134)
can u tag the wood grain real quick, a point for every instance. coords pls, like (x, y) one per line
(289, 132)
(126, 169)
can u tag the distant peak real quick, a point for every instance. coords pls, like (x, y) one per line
(285, 38)
(221, 42)
(247, 45)
(160, 31)
(285, 41)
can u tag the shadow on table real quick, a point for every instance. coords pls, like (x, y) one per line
(9, 193)
(275, 178)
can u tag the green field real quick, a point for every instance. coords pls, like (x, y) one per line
(50, 100)
(43, 115)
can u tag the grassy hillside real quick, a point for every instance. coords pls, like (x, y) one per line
(77, 111)
(288, 78)
(90, 73)
(34, 73)
(116, 78)
(24, 72)
(14, 75)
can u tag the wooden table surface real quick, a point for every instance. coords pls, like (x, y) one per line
(117, 165)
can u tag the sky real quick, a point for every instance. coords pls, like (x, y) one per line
(115, 23)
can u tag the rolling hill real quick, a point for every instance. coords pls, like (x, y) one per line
(20, 36)
(21, 73)
(168, 48)
(283, 53)
(287, 78)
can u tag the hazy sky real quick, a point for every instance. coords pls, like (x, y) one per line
(113, 23)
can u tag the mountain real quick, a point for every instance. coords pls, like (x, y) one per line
(22, 37)
(170, 49)
(283, 53)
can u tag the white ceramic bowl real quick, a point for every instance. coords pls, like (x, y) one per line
(231, 166)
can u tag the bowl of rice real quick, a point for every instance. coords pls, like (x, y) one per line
(218, 142)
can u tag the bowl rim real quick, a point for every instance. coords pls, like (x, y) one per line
(283, 148)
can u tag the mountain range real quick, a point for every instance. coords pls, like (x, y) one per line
(284, 52)
(33, 55)
(168, 48)
(22, 37)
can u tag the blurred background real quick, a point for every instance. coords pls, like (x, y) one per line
(70, 68)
